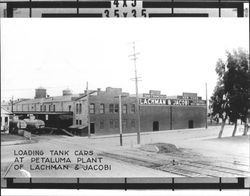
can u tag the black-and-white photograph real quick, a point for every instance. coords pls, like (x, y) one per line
(84, 98)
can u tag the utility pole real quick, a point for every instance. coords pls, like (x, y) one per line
(12, 104)
(206, 107)
(171, 117)
(120, 116)
(134, 57)
(88, 118)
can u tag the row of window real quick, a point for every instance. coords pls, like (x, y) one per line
(113, 123)
(78, 108)
(44, 108)
(113, 108)
(79, 122)
(52, 108)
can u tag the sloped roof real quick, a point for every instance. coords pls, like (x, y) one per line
(4, 111)
(85, 95)
(51, 99)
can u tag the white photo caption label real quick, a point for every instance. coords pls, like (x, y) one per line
(125, 8)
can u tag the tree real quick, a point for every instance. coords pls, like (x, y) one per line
(231, 97)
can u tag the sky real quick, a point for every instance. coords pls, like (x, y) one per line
(175, 55)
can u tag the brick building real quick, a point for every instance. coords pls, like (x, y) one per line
(157, 111)
(104, 111)
(161, 112)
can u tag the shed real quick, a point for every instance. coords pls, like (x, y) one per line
(5, 119)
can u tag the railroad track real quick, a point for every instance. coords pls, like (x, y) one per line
(189, 165)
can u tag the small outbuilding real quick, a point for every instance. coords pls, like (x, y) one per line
(5, 119)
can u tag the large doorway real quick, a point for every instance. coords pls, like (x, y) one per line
(190, 124)
(156, 126)
(92, 128)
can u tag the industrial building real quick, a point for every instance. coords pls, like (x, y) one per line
(56, 111)
(100, 109)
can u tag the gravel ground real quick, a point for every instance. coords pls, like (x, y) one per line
(199, 153)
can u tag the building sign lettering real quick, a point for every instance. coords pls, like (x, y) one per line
(145, 95)
(155, 101)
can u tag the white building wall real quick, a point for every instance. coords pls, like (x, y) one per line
(5, 123)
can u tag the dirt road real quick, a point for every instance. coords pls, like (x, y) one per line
(198, 154)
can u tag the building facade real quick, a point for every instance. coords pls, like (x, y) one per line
(104, 111)
(55, 111)
(157, 112)
(100, 110)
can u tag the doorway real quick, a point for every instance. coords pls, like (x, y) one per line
(156, 126)
(190, 124)
(92, 128)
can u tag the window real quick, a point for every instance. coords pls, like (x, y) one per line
(116, 108)
(41, 108)
(80, 122)
(54, 108)
(101, 124)
(6, 120)
(133, 108)
(125, 109)
(132, 123)
(77, 122)
(111, 108)
(111, 123)
(92, 108)
(49, 108)
(116, 124)
(124, 124)
(69, 108)
(44, 108)
(102, 109)
(80, 108)
(77, 108)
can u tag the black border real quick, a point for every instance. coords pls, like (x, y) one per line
(239, 5)
(126, 186)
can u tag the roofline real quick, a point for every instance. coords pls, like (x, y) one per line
(2, 108)
(85, 95)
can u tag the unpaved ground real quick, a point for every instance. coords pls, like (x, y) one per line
(184, 162)
(199, 153)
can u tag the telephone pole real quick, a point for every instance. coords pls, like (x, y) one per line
(88, 118)
(134, 58)
(206, 106)
(12, 103)
(120, 116)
